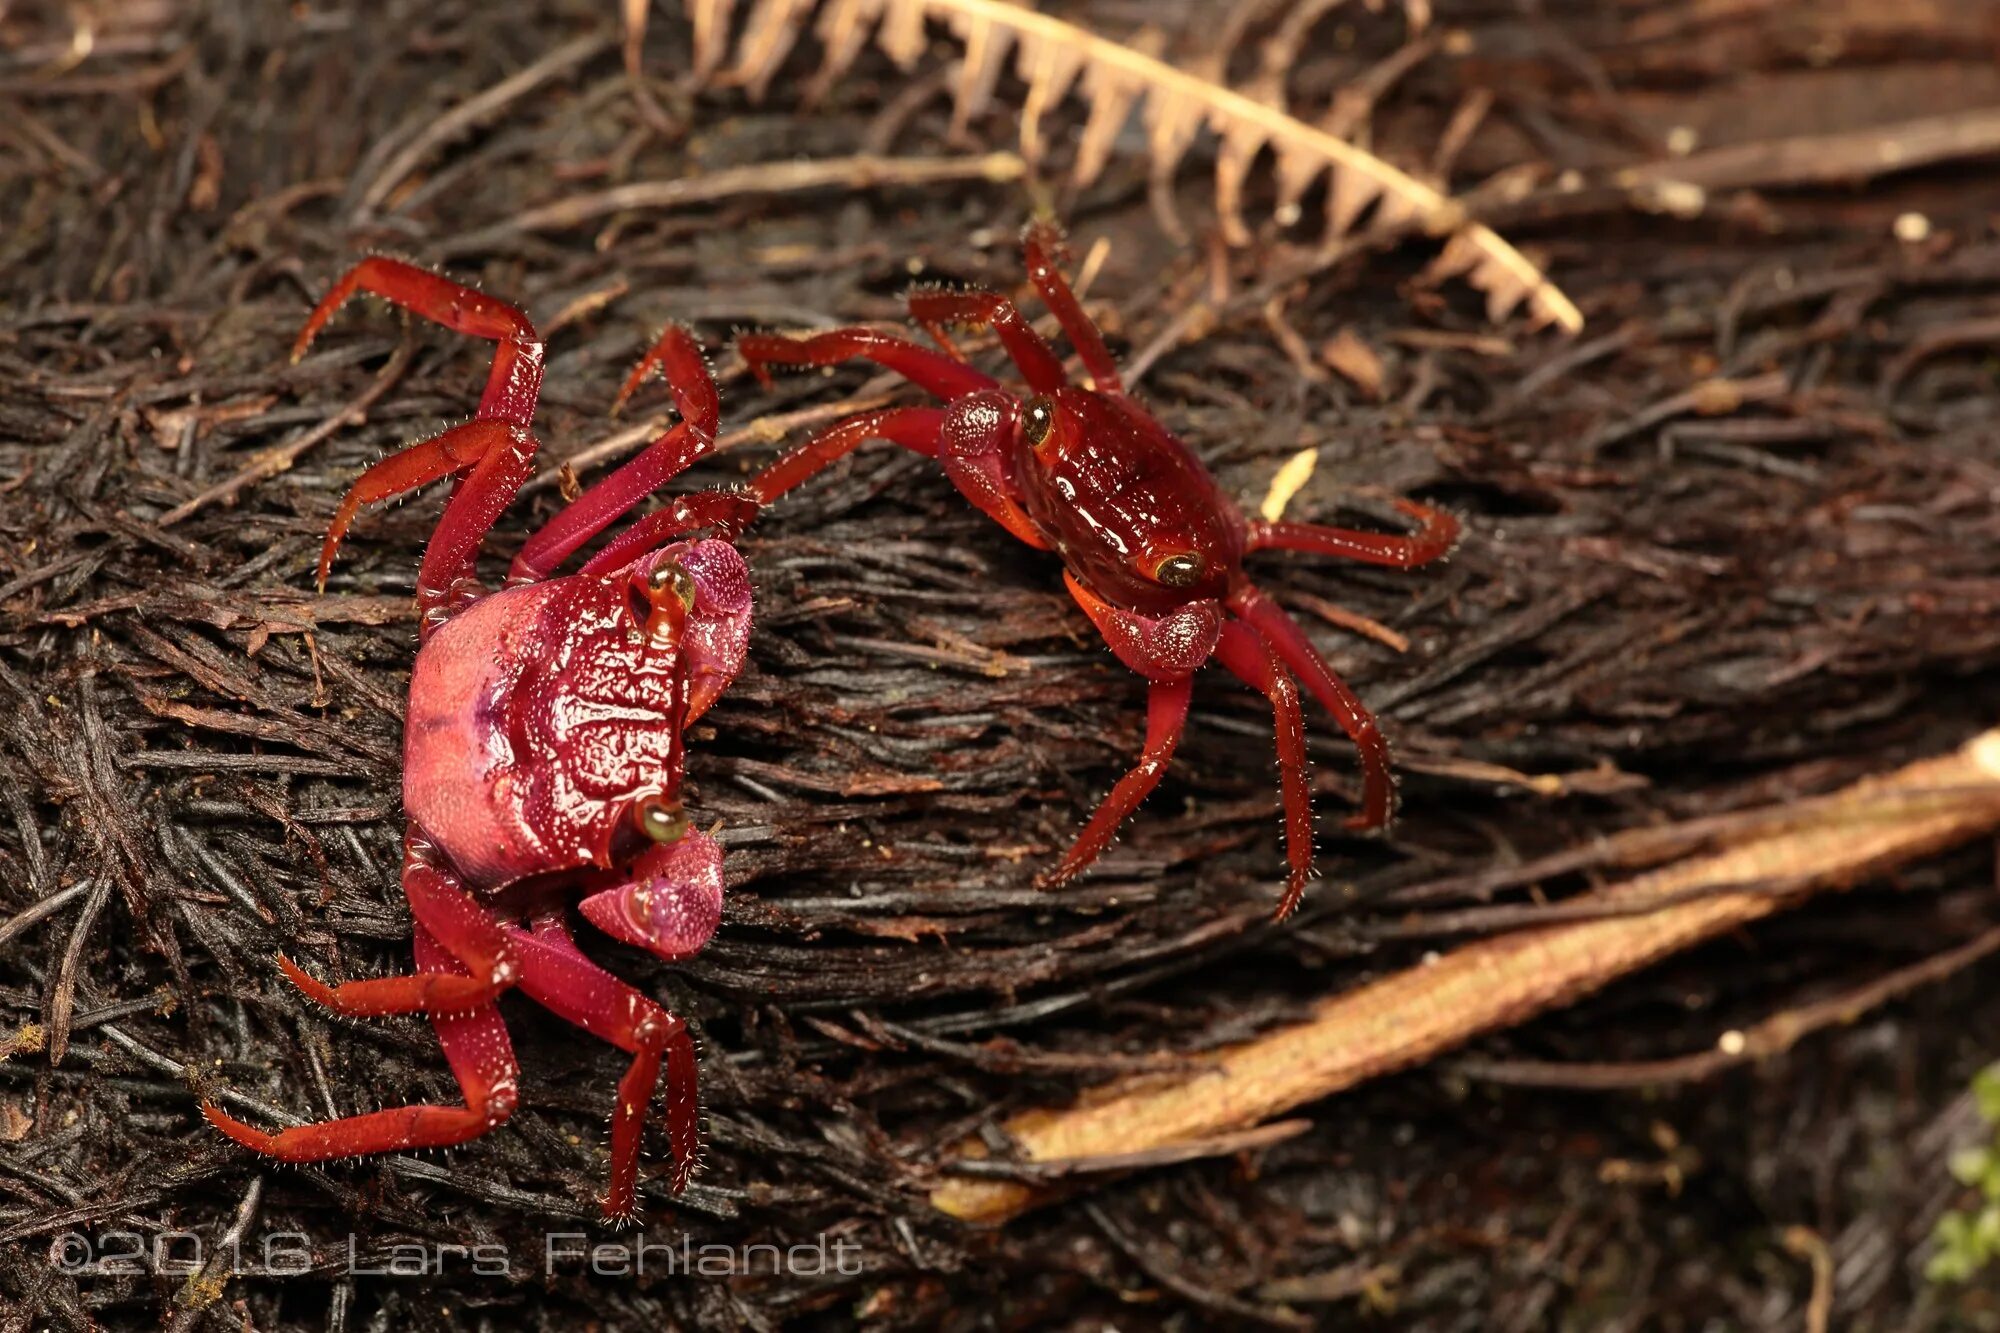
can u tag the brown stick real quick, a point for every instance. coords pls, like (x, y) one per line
(1815, 159)
(1411, 1016)
(861, 172)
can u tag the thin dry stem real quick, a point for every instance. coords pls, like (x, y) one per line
(1413, 1015)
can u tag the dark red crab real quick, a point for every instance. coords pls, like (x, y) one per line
(1153, 550)
(544, 748)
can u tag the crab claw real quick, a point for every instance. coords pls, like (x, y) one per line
(716, 637)
(671, 902)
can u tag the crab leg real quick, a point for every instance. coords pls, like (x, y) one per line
(481, 1058)
(559, 978)
(1166, 718)
(1333, 693)
(1435, 538)
(1254, 662)
(684, 514)
(483, 962)
(914, 428)
(1038, 363)
(493, 454)
(494, 457)
(515, 381)
(928, 370)
(680, 362)
(1041, 246)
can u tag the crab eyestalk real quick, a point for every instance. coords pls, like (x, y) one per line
(668, 592)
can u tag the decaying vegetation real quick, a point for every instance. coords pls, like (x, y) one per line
(1733, 548)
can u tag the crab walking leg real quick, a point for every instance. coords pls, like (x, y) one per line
(493, 453)
(456, 452)
(481, 1058)
(914, 428)
(1435, 538)
(724, 510)
(476, 504)
(1036, 360)
(475, 1044)
(516, 378)
(1297, 652)
(560, 979)
(483, 963)
(1041, 246)
(1166, 718)
(1253, 661)
(680, 361)
(932, 371)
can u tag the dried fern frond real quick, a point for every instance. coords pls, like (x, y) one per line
(1056, 60)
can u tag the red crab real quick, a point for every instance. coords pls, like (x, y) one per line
(543, 748)
(1153, 551)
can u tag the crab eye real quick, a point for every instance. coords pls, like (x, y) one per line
(1038, 421)
(661, 820)
(671, 576)
(1180, 571)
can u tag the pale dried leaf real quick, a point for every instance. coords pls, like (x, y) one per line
(768, 37)
(1049, 68)
(1458, 258)
(1348, 195)
(1347, 356)
(1233, 160)
(1288, 481)
(1111, 92)
(711, 34)
(987, 45)
(1295, 173)
(844, 29)
(1056, 58)
(902, 33)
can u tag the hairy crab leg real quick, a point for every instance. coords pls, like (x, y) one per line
(1166, 718)
(484, 962)
(493, 453)
(1434, 539)
(915, 428)
(515, 381)
(556, 975)
(725, 510)
(928, 370)
(1036, 360)
(1290, 642)
(481, 1058)
(1254, 662)
(1042, 246)
(680, 361)
(458, 451)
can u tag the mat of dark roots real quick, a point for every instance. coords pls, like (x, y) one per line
(1732, 544)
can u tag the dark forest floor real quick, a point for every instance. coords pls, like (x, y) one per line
(1681, 613)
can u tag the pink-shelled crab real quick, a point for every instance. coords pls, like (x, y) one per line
(544, 748)
(1153, 550)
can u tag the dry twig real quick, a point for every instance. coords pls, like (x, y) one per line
(1410, 1016)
